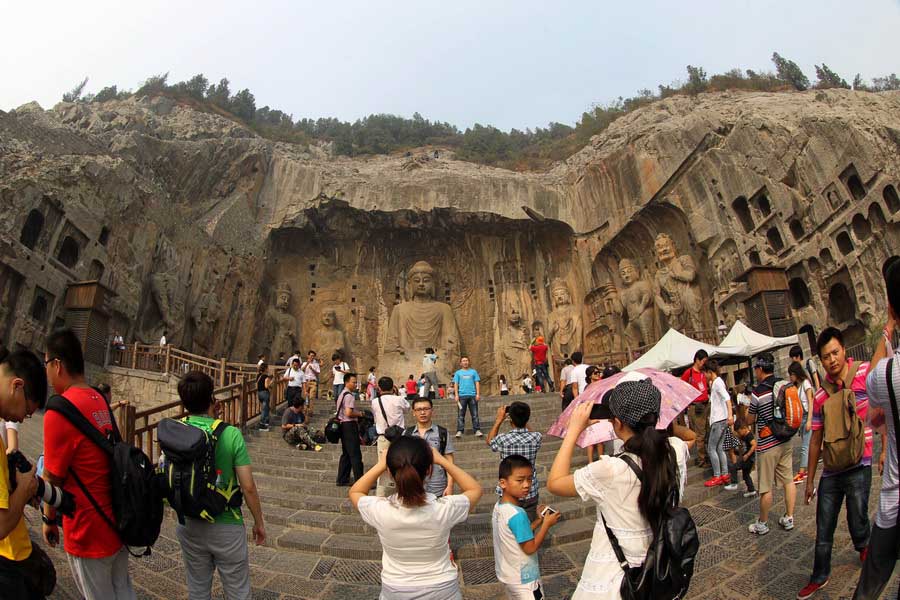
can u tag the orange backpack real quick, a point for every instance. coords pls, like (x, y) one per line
(787, 411)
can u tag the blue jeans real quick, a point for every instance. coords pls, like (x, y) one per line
(264, 407)
(854, 485)
(804, 442)
(467, 401)
(542, 378)
(715, 450)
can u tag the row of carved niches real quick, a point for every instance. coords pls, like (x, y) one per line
(648, 278)
(385, 298)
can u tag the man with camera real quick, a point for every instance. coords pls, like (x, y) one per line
(521, 440)
(23, 390)
(390, 411)
(96, 555)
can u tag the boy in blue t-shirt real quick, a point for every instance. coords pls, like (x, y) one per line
(515, 542)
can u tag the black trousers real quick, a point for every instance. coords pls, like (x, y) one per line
(13, 584)
(746, 468)
(351, 455)
(884, 550)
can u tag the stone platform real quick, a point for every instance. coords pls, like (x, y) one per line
(318, 548)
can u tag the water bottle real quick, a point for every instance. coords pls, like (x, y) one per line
(220, 481)
(161, 465)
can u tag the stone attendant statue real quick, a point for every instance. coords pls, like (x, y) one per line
(636, 304)
(513, 344)
(677, 292)
(419, 323)
(565, 325)
(330, 337)
(282, 326)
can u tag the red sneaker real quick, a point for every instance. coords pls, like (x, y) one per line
(810, 589)
(726, 478)
(713, 481)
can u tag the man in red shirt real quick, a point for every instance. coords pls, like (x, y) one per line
(97, 557)
(698, 412)
(539, 355)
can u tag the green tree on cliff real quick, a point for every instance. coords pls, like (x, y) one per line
(697, 80)
(788, 71)
(243, 105)
(74, 95)
(826, 78)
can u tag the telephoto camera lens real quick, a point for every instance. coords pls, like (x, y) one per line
(47, 493)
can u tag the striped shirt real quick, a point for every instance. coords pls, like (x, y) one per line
(858, 385)
(524, 442)
(879, 398)
(762, 405)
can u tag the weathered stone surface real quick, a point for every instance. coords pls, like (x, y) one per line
(195, 222)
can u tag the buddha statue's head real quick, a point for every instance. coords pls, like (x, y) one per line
(665, 248)
(420, 281)
(515, 317)
(560, 293)
(283, 296)
(629, 271)
(329, 318)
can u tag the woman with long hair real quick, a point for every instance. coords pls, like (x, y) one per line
(412, 524)
(591, 375)
(799, 378)
(263, 385)
(720, 418)
(632, 508)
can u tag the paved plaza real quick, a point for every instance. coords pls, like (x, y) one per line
(318, 548)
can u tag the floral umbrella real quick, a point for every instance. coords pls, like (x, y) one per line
(676, 396)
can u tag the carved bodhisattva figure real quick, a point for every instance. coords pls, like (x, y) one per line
(636, 305)
(564, 324)
(282, 325)
(676, 290)
(330, 338)
(513, 344)
(419, 323)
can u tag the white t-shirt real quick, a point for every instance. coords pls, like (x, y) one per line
(564, 374)
(414, 540)
(804, 397)
(504, 387)
(718, 401)
(511, 527)
(338, 376)
(296, 376)
(614, 487)
(578, 375)
(395, 408)
(4, 425)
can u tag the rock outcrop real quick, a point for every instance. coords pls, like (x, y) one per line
(194, 222)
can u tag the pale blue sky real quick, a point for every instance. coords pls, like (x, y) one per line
(507, 63)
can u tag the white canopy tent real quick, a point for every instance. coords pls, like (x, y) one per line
(675, 350)
(752, 342)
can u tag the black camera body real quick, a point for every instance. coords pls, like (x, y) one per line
(48, 493)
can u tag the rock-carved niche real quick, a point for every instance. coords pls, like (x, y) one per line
(418, 323)
(511, 341)
(281, 325)
(330, 336)
(565, 326)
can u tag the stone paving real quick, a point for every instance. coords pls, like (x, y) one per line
(304, 559)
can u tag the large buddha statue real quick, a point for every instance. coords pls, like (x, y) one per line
(676, 287)
(281, 324)
(418, 323)
(636, 304)
(565, 325)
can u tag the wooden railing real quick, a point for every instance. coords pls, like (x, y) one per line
(168, 359)
(236, 404)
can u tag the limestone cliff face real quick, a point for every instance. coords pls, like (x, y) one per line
(193, 221)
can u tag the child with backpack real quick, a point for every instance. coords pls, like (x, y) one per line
(741, 447)
(516, 538)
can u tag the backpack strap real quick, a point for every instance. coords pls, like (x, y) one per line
(634, 466)
(383, 413)
(617, 549)
(442, 440)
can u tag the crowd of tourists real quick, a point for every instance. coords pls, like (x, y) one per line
(832, 407)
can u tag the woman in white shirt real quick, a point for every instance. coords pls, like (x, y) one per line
(720, 418)
(799, 378)
(414, 525)
(631, 507)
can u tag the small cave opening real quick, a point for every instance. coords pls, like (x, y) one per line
(796, 228)
(31, 231)
(800, 297)
(742, 212)
(841, 304)
(775, 241)
(69, 252)
(891, 198)
(844, 243)
(861, 228)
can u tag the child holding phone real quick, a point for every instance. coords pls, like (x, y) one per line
(515, 540)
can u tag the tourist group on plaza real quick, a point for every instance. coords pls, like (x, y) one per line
(635, 482)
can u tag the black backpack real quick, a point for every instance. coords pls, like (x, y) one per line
(669, 564)
(442, 437)
(136, 502)
(188, 472)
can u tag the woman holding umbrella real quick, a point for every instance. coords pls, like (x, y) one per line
(631, 507)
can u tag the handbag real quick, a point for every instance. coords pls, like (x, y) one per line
(333, 427)
(393, 432)
(38, 571)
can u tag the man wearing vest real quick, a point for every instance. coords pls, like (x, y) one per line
(883, 388)
(220, 545)
(351, 455)
(840, 436)
(438, 483)
(23, 390)
(698, 411)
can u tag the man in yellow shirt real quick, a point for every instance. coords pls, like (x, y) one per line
(23, 389)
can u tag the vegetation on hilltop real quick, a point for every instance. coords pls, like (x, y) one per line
(531, 149)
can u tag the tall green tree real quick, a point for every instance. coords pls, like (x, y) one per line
(826, 78)
(788, 71)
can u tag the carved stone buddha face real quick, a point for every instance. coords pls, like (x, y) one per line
(628, 271)
(665, 248)
(515, 317)
(421, 281)
(561, 296)
(329, 318)
(283, 299)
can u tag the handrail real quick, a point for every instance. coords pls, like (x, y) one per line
(171, 360)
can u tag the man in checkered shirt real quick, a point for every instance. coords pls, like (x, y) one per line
(518, 440)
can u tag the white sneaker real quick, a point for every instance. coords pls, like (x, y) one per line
(459, 434)
(731, 487)
(749, 494)
(478, 433)
(758, 528)
(786, 522)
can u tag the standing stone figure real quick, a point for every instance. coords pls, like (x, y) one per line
(677, 291)
(565, 323)
(515, 358)
(419, 323)
(636, 305)
(282, 326)
(330, 338)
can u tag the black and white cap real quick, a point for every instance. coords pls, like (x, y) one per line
(631, 399)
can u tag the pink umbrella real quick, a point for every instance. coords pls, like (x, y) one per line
(676, 396)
